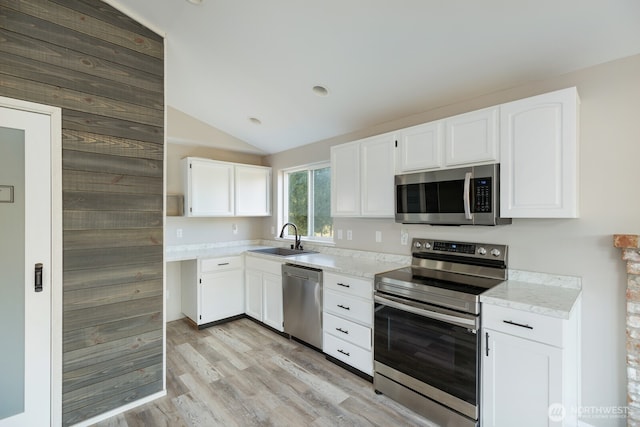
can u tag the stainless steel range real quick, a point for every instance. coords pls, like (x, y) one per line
(427, 318)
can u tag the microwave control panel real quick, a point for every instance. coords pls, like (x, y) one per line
(482, 195)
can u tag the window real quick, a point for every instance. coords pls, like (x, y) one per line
(307, 201)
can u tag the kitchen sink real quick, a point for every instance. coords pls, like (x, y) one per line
(282, 251)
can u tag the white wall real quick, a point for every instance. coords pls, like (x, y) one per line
(609, 156)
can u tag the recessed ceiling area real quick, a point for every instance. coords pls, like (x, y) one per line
(382, 60)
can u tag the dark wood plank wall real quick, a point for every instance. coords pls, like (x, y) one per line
(107, 74)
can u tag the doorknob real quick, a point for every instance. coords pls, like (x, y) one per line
(38, 277)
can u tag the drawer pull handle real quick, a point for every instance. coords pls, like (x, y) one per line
(342, 330)
(343, 307)
(343, 285)
(344, 352)
(509, 322)
(223, 263)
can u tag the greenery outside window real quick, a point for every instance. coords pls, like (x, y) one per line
(307, 201)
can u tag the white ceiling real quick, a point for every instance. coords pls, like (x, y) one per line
(229, 60)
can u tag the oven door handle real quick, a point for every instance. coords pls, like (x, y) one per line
(419, 310)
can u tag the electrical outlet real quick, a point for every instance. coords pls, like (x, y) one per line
(339, 234)
(378, 236)
(404, 237)
(349, 235)
(179, 233)
(234, 228)
(273, 230)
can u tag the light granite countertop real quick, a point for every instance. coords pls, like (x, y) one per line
(355, 266)
(344, 261)
(540, 293)
(191, 252)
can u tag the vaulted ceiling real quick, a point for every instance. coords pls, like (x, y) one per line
(229, 61)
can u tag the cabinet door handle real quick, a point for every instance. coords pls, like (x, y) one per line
(223, 263)
(343, 285)
(343, 307)
(37, 279)
(510, 322)
(344, 352)
(343, 331)
(486, 340)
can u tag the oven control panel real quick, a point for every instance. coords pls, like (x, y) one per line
(462, 249)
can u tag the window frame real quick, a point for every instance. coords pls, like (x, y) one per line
(310, 197)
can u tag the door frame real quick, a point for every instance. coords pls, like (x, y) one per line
(55, 114)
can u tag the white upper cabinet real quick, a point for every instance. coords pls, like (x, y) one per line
(345, 180)
(377, 176)
(209, 187)
(539, 147)
(362, 174)
(253, 195)
(420, 147)
(472, 138)
(218, 189)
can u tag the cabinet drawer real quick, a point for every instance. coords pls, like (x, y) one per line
(347, 330)
(351, 285)
(532, 326)
(263, 265)
(208, 265)
(348, 353)
(349, 307)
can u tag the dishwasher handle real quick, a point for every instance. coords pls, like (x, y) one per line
(297, 276)
(302, 273)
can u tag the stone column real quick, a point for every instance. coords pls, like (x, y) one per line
(630, 245)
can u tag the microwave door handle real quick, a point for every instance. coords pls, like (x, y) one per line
(465, 196)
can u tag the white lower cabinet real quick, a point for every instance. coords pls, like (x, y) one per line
(263, 288)
(530, 368)
(212, 289)
(347, 320)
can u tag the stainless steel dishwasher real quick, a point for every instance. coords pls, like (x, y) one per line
(302, 301)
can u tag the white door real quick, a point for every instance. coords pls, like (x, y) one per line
(472, 137)
(272, 312)
(345, 180)
(420, 147)
(537, 370)
(253, 195)
(25, 227)
(211, 187)
(377, 155)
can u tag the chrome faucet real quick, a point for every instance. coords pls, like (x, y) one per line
(297, 238)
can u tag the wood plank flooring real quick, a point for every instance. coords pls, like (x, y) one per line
(242, 374)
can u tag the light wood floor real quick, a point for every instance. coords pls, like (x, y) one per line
(242, 374)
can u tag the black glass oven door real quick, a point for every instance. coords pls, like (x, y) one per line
(437, 353)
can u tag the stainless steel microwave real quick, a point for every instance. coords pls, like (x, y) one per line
(461, 196)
